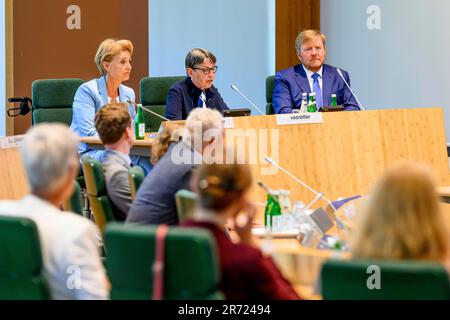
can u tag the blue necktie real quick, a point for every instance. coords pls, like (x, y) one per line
(317, 90)
(202, 100)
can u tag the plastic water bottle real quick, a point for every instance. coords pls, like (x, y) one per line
(304, 105)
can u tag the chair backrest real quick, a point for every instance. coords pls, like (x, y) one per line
(351, 279)
(186, 202)
(96, 189)
(270, 81)
(191, 269)
(75, 202)
(153, 96)
(136, 176)
(53, 99)
(21, 261)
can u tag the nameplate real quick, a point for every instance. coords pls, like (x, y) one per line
(228, 123)
(299, 118)
(10, 142)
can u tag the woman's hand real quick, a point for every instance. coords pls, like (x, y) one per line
(243, 223)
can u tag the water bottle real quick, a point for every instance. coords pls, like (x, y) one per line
(139, 124)
(312, 106)
(304, 105)
(333, 100)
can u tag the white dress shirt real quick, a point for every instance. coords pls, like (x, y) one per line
(72, 265)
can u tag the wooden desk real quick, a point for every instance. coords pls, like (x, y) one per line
(13, 180)
(342, 156)
(140, 147)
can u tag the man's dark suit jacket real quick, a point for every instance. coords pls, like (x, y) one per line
(155, 200)
(183, 98)
(292, 82)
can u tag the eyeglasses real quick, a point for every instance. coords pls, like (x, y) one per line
(207, 70)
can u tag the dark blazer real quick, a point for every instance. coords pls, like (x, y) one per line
(292, 82)
(117, 183)
(183, 97)
(246, 273)
(155, 200)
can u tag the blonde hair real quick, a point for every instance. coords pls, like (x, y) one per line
(48, 152)
(403, 220)
(308, 35)
(169, 135)
(110, 48)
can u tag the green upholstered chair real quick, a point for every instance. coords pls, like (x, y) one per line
(191, 269)
(75, 202)
(136, 176)
(96, 190)
(53, 99)
(21, 265)
(270, 81)
(186, 202)
(153, 96)
(348, 279)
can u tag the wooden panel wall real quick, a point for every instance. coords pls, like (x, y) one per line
(293, 16)
(44, 47)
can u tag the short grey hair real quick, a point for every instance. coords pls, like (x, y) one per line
(48, 151)
(206, 119)
(197, 56)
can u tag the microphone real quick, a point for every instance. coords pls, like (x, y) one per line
(149, 111)
(245, 97)
(348, 86)
(318, 194)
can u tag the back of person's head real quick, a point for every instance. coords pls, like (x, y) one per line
(403, 219)
(110, 48)
(49, 154)
(197, 56)
(220, 185)
(203, 123)
(111, 121)
(169, 135)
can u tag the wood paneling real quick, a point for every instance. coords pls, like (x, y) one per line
(45, 48)
(293, 16)
(9, 17)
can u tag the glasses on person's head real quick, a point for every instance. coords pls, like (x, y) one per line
(207, 70)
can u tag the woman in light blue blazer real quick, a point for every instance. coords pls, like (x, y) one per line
(113, 59)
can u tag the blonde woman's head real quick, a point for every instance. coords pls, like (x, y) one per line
(403, 219)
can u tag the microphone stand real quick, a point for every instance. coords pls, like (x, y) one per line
(248, 100)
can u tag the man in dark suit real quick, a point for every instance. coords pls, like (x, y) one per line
(115, 129)
(155, 200)
(311, 75)
(197, 89)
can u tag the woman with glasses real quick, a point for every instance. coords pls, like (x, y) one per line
(197, 90)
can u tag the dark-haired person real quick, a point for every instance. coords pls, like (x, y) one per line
(197, 89)
(246, 272)
(115, 129)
